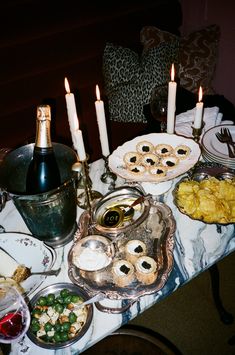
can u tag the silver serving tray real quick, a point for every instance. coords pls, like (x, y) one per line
(202, 171)
(157, 231)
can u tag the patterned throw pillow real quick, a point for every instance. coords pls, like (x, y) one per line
(197, 55)
(197, 59)
(151, 37)
(130, 78)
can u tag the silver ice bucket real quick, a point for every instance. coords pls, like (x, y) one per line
(50, 216)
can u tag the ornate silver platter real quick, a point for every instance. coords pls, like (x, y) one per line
(156, 231)
(202, 172)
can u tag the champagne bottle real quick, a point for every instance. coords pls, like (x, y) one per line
(43, 173)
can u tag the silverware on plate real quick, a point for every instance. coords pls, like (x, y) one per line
(94, 299)
(28, 272)
(46, 273)
(229, 135)
(223, 137)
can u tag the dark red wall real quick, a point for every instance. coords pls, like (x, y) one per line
(200, 13)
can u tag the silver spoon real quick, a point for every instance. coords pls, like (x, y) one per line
(96, 298)
(30, 273)
(46, 273)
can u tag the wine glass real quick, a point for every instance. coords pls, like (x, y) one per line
(158, 105)
(14, 314)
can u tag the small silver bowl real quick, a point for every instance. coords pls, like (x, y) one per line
(93, 253)
(55, 289)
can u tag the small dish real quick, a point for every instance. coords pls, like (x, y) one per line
(93, 253)
(56, 291)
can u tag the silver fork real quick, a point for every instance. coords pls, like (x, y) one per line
(228, 133)
(46, 273)
(224, 139)
(50, 272)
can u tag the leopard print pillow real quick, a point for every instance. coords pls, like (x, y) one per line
(129, 78)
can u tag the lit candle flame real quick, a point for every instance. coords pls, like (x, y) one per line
(66, 84)
(200, 94)
(172, 72)
(97, 92)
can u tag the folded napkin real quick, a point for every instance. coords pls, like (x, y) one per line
(184, 121)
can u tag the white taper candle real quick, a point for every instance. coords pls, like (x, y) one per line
(71, 110)
(172, 86)
(79, 145)
(100, 114)
(199, 111)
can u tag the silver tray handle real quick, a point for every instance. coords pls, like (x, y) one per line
(84, 226)
(115, 310)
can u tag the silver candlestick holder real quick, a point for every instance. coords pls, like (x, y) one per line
(108, 177)
(87, 197)
(197, 132)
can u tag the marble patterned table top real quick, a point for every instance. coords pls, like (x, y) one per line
(197, 247)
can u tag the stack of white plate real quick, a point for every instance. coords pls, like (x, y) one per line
(215, 151)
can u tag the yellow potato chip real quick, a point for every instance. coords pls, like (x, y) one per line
(210, 200)
(226, 190)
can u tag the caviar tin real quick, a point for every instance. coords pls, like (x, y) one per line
(122, 209)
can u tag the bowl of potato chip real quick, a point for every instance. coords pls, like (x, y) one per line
(207, 194)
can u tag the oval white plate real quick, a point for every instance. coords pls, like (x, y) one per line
(30, 252)
(213, 146)
(117, 164)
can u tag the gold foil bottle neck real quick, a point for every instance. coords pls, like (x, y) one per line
(43, 134)
(43, 113)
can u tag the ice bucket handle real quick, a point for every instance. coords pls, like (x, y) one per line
(3, 198)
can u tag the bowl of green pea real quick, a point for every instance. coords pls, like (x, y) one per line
(58, 318)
